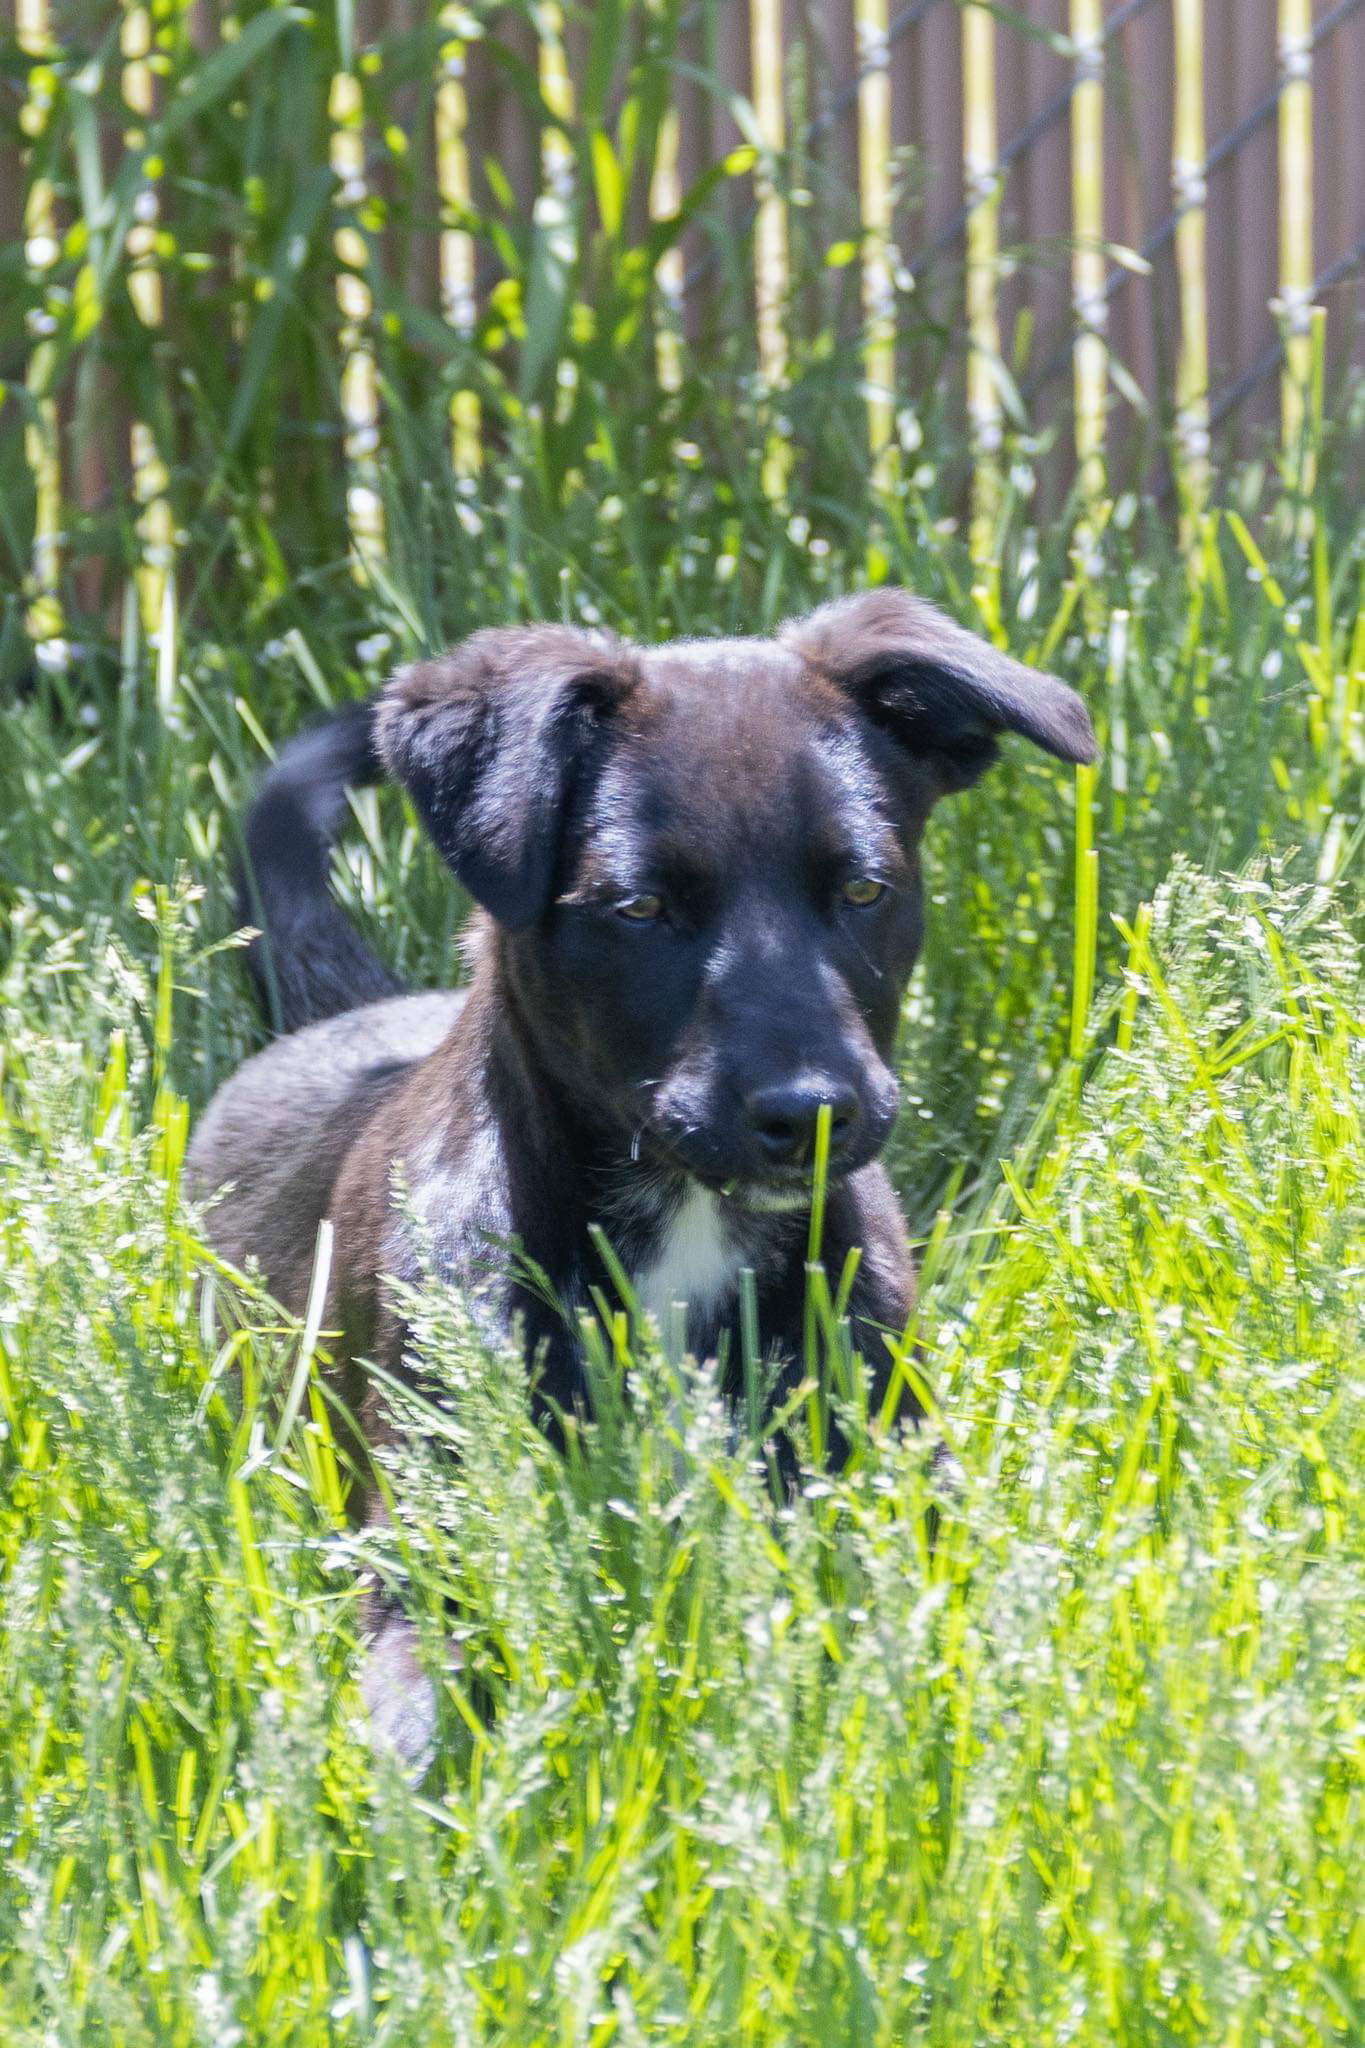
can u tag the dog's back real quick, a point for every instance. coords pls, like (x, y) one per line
(272, 1141)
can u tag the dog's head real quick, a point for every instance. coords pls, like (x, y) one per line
(704, 858)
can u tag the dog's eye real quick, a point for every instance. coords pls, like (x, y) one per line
(640, 909)
(863, 890)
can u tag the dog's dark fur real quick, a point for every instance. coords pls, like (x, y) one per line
(668, 980)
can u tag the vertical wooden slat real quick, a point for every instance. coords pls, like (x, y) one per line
(1296, 231)
(408, 157)
(665, 197)
(1087, 228)
(1255, 274)
(555, 208)
(355, 302)
(695, 112)
(926, 79)
(1143, 325)
(557, 91)
(981, 176)
(43, 618)
(151, 478)
(1221, 104)
(1340, 63)
(456, 253)
(498, 118)
(770, 229)
(935, 52)
(139, 95)
(1012, 52)
(727, 44)
(1045, 285)
(874, 187)
(1338, 157)
(1190, 191)
(210, 27)
(12, 187)
(834, 37)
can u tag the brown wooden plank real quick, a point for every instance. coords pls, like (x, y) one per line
(1144, 310)
(1222, 108)
(1248, 213)
(1339, 176)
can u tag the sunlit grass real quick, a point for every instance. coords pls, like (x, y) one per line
(1084, 1767)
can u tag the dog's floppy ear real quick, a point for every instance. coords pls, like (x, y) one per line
(488, 738)
(943, 692)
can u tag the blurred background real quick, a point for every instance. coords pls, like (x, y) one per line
(269, 271)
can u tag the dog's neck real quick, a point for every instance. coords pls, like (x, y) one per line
(678, 1241)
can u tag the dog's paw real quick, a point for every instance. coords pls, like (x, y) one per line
(400, 1700)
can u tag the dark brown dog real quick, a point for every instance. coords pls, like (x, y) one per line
(699, 865)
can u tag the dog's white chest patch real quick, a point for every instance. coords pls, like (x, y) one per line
(694, 1261)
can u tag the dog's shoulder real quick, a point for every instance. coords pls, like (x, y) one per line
(268, 1150)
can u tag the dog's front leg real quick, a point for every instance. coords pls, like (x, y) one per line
(400, 1700)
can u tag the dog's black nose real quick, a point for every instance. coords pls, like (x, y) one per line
(784, 1119)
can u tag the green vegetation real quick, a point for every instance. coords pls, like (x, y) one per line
(1084, 1768)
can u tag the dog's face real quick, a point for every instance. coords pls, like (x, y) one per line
(704, 860)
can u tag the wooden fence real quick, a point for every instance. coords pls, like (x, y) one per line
(1166, 197)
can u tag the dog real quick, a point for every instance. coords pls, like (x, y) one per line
(697, 868)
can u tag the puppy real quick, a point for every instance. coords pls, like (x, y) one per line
(699, 872)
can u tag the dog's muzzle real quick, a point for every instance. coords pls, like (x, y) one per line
(761, 1151)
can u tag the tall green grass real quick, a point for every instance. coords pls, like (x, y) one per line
(1085, 1767)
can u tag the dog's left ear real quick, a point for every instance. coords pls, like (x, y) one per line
(943, 692)
(490, 739)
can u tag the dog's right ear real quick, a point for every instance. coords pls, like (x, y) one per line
(944, 693)
(488, 738)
